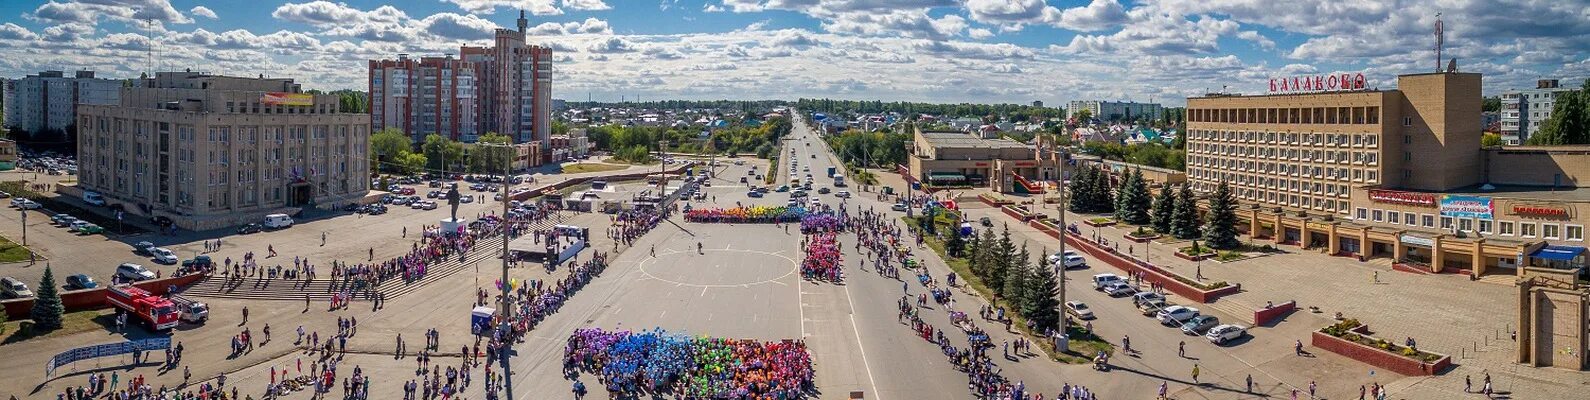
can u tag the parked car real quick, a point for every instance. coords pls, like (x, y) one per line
(62, 219)
(1175, 315)
(430, 205)
(1152, 308)
(1079, 309)
(900, 207)
(822, 191)
(247, 229)
(1144, 297)
(133, 272)
(29, 205)
(90, 229)
(14, 289)
(1073, 261)
(467, 199)
(843, 194)
(1197, 325)
(80, 281)
(163, 255)
(1101, 280)
(1225, 333)
(986, 221)
(782, 188)
(1119, 289)
(77, 225)
(753, 194)
(142, 248)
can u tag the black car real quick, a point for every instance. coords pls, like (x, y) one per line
(351, 207)
(247, 229)
(986, 222)
(376, 209)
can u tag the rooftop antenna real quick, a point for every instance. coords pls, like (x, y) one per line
(1440, 40)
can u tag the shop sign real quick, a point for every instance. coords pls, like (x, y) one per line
(1540, 211)
(1025, 163)
(1415, 240)
(1317, 83)
(1404, 198)
(982, 164)
(1460, 206)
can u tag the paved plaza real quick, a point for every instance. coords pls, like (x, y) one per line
(743, 282)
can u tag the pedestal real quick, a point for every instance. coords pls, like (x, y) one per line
(450, 225)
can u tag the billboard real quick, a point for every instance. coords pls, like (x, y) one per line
(104, 350)
(288, 99)
(1459, 206)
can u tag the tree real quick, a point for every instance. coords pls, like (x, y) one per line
(1132, 205)
(1001, 261)
(1017, 276)
(983, 257)
(1490, 140)
(955, 244)
(1164, 208)
(1569, 122)
(387, 144)
(411, 163)
(1221, 233)
(442, 153)
(1041, 306)
(1103, 197)
(1184, 221)
(1492, 103)
(1083, 117)
(47, 308)
(490, 154)
(1080, 190)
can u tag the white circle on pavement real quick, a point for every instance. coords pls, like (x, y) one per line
(697, 268)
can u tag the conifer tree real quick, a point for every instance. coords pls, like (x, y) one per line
(1017, 276)
(1041, 305)
(1184, 221)
(47, 308)
(1221, 233)
(1164, 208)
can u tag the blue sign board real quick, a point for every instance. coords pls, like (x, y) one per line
(104, 350)
(1460, 206)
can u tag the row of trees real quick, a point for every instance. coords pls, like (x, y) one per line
(635, 143)
(1569, 122)
(989, 112)
(742, 105)
(348, 100)
(395, 152)
(1153, 154)
(870, 149)
(1029, 287)
(1174, 211)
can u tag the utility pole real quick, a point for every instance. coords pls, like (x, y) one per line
(31, 260)
(507, 306)
(1063, 344)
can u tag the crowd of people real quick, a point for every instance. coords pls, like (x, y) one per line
(656, 362)
(822, 222)
(751, 214)
(823, 260)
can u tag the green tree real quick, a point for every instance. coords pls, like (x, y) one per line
(955, 244)
(1017, 276)
(1103, 197)
(1569, 122)
(47, 308)
(1491, 104)
(411, 163)
(1164, 209)
(1042, 307)
(1221, 232)
(983, 257)
(1133, 202)
(1083, 116)
(1080, 190)
(1004, 256)
(387, 144)
(490, 153)
(1184, 221)
(1490, 140)
(442, 153)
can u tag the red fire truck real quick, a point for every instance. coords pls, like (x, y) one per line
(152, 311)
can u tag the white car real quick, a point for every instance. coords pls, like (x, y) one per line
(163, 255)
(843, 194)
(29, 205)
(1057, 256)
(900, 207)
(133, 272)
(1118, 289)
(1175, 315)
(1225, 333)
(1102, 280)
(1079, 309)
(1072, 261)
(430, 205)
(1145, 297)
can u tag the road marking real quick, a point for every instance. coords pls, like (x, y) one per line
(664, 313)
(703, 292)
(864, 363)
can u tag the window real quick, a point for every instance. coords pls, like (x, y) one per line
(1446, 222)
(1429, 220)
(1363, 213)
(1466, 224)
(1485, 226)
(1506, 228)
(1410, 219)
(1393, 217)
(1378, 216)
(1549, 231)
(1526, 229)
(1407, 121)
(1575, 232)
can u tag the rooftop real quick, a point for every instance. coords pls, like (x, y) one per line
(964, 140)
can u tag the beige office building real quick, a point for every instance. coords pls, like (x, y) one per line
(213, 151)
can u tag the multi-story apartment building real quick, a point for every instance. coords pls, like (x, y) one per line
(211, 151)
(1524, 111)
(1116, 110)
(48, 101)
(424, 96)
(510, 92)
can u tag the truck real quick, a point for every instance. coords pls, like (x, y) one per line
(839, 180)
(190, 310)
(152, 311)
(832, 171)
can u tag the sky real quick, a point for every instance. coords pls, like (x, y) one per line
(941, 51)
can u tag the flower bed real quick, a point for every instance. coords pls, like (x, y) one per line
(1017, 212)
(1353, 340)
(1142, 235)
(994, 200)
(1190, 254)
(1100, 221)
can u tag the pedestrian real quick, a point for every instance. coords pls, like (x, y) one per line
(1468, 384)
(1181, 349)
(1311, 389)
(1250, 383)
(1195, 373)
(1298, 348)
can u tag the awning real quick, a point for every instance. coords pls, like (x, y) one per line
(1560, 253)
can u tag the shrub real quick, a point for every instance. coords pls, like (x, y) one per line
(1409, 352)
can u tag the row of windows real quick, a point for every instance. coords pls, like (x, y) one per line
(1203, 164)
(1288, 115)
(1527, 229)
(254, 108)
(1294, 200)
(1291, 138)
(1265, 182)
(1273, 153)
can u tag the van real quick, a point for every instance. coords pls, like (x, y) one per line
(278, 221)
(93, 198)
(1102, 280)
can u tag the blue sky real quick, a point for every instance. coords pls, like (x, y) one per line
(919, 50)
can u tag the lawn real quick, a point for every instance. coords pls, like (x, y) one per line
(12, 252)
(591, 167)
(73, 322)
(1083, 344)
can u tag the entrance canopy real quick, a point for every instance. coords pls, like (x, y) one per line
(1559, 253)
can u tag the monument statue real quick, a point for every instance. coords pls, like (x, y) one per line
(452, 200)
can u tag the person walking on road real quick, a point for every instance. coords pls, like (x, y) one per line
(1250, 383)
(1181, 349)
(1195, 373)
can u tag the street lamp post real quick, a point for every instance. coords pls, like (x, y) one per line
(507, 290)
(24, 211)
(1063, 344)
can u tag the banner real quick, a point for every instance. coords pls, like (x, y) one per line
(104, 350)
(1459, 206)
(288, 99)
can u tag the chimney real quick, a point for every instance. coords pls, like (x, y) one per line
(522, 22)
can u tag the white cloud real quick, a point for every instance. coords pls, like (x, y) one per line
(536, 7)
(1011, 13)
(1098, 15)
(589, 26)
(1257, 39)
(454, 26)
(16, 32)
(203, 11)
(712, 8)
(586, 5)
(609, 45)
(90, 11)
(979, 33)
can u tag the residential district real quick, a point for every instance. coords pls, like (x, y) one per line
(1323, 239)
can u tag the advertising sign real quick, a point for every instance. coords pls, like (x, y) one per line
(1404, 198)
(1459, 206)
(288, 99)
(104, 350)
(1318, 83)
(1550, 211)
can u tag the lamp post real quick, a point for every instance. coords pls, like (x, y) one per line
(31, 260)
(507, 290)
(1063, 343)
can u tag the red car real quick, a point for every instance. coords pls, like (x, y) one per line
(406, 190)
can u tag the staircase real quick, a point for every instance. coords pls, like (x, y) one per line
(251, 288)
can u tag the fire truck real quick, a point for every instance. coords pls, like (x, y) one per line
(152, 311)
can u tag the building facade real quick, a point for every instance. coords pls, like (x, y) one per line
(960, 159)
(1524, 111)
(1116, 110)
(424, 96)
(48, 101)
(1392, 173)
(515, 86)
(213, 151)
